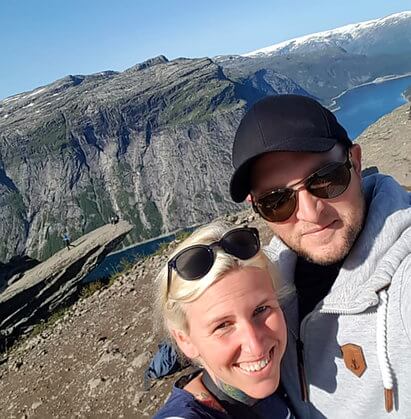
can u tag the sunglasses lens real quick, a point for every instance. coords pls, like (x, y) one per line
(243, 244)
(327, 183)
(330, 183)
(277, 206)
(194, 262)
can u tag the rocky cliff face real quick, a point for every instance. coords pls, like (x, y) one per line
(151, 144)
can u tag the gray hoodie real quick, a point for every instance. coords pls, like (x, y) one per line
(357, 341)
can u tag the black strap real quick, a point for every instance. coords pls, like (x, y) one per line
(235, 408)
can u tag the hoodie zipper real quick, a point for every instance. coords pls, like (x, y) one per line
(302, 375)
(301, 370)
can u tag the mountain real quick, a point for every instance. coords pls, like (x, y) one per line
(327, 63)
(374, 37)
(152, 144)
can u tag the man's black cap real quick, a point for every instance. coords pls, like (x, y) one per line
(281, 123)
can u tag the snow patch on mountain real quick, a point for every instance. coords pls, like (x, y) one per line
(343, 37)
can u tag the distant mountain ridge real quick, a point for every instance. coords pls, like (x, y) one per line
(356, 38)
(151, 143)
(327, 63)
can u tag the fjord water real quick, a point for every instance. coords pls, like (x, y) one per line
(362, 106)
(115, 262)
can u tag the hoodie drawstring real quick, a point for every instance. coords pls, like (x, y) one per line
(382, 351)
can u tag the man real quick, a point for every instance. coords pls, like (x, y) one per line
(345, 244)
(66, 240)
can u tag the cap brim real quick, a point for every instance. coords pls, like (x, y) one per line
(240, 184)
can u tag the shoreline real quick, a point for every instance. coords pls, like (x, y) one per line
(163, 236)
(333, 105)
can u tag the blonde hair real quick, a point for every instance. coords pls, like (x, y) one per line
(170, 307)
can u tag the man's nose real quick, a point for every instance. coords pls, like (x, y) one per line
(252, 339)
(309, 207)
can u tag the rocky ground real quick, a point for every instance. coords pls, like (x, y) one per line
(91, 362)
(387, 144)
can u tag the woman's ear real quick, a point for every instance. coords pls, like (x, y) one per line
(355, 152)
(185, 344)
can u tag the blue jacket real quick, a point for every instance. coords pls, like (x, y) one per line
(182, 404)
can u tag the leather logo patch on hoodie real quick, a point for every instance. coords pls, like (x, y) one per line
(354, 358)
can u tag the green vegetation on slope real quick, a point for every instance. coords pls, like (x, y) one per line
(153, 215)
(198, 103)
(52, 135)
(95, 205)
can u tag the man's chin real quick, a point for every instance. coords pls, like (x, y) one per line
(326, 254)
(322, 259)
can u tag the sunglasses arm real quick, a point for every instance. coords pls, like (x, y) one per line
(169, 273)
(253, 204)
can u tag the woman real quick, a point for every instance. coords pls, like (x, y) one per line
(218, 299)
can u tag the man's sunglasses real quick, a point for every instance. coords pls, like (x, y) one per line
(327, 183)
(194, 262)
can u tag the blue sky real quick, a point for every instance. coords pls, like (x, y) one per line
(43, 40)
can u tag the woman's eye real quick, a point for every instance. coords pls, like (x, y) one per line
(222, 326)
(260, 310)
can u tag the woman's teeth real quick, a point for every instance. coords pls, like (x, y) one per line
(255, 366)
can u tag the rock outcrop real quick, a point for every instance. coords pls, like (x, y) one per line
(14, 268)
(55, 282)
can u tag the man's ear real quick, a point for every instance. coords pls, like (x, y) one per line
(185, 344)
(249, 199)
(355, 152)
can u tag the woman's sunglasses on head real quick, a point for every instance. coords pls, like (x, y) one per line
(194, 262)
(327, 183)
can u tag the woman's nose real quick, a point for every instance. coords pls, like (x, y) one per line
(252, 340)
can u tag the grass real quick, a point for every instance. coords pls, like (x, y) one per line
(125, 266)
(89, 289)
(161, 249)
(182, 235)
